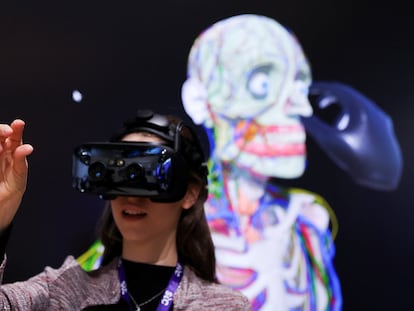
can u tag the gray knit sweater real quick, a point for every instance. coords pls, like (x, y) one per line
(71, 288)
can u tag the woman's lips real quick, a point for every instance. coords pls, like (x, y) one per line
(133, 214)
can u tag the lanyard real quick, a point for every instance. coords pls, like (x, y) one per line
(167, 298)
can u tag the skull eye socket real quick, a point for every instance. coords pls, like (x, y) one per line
(258, 82)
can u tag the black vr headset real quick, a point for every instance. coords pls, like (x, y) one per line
(157, 171)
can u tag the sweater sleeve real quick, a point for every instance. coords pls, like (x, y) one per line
(68, 288)
(34, 293)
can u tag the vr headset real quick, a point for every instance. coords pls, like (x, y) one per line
(119, 168)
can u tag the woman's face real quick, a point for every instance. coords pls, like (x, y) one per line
(142, 220)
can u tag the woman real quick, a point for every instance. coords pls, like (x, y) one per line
(158, 250)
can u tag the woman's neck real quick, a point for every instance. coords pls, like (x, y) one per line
(163, 253)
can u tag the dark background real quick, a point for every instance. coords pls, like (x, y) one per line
(124, 55)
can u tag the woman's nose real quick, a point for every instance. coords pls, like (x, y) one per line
(134, 199)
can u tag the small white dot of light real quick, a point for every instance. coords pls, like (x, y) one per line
(77, 96)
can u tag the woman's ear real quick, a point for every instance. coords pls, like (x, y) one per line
(191, 195)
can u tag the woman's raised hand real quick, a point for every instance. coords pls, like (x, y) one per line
(13, 169)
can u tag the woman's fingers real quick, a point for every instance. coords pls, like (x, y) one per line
(16, 137)
(20, 154)
(5, 132)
